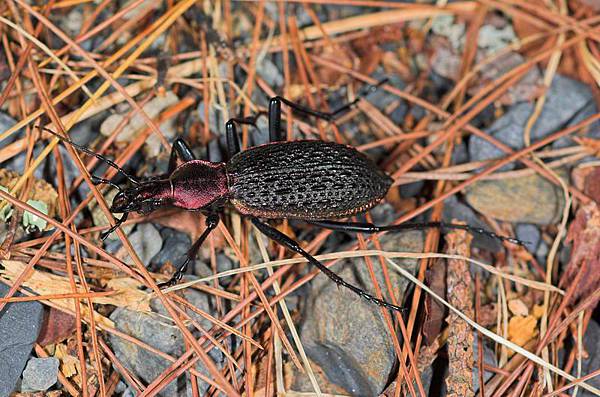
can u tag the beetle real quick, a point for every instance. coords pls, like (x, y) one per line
(308, 180)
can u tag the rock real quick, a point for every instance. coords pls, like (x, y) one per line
(7, 122)
(492, 39)
(268, 71)
(174, 247)
(530, 234)
(591, 131)
(156, 330)
(40, 374)
(347, 336)
(565, 98)
(19, 328)
(526, 89)
(592, 362)
(454, 211)
(138, 123)
(146, 242)
(529, 199)
(215, 119)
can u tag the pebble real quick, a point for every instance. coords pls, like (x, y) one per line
(215, 119)
(157, 331)
(40, 374)
(5, 123)
(529, 199)
(565, 98)
(530, 234)
(454, 210)
(146, 242)
(523, 90)
(174, 247)
(20, 325)
(269, 72)
(592, 362)
(345, 335)
(137, 123)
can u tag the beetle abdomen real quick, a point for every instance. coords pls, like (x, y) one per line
(307, 180)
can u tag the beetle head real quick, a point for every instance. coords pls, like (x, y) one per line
(143, 198)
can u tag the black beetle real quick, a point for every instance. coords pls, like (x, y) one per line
(308, 180)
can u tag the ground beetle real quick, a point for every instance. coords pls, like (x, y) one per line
(309, 180)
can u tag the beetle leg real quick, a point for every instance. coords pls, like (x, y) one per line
(233, 139)
(275, 109)
(212, 220)
(292, 245)
(364, 227)
(118, 222)
(180, 148)
(275, 120)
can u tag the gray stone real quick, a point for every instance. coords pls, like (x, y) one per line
(215, 119)
(347, 336)
(529, 199)
(20, 325)
(565, 98)
(541, 254)
(174, 247)
(5, 123)
(157, 331)
(268, 71)
(40, 374)
(592, 362)
(591, 131)
(530, 234)
(146, 242)
(454, 210)
(411, 189)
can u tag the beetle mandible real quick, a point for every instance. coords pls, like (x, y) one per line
(309, 180)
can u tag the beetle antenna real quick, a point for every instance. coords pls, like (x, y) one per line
(96, 180)
(90, 152)
(359, 97)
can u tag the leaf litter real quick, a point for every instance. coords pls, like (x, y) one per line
(322, 52)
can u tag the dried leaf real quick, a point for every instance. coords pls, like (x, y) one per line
(191, 223)
(52, 393)
(435, 312)
(129, 295)
(518, 308)
(538, 311)
(592, 185)
(522, 329)
(69, 364)
(584, 233)
(43, 283)
(56, 327)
